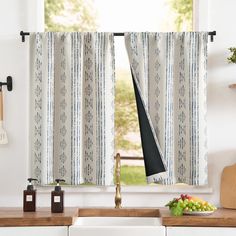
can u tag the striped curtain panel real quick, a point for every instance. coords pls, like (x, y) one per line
(169, 73)
(72, 107)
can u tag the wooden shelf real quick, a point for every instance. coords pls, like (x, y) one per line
(232, 86)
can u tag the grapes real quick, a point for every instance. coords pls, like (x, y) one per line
(185, 196)
(187, 203)
(200, 206)
(180, 200)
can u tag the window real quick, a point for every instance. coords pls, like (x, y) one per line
(121, 16)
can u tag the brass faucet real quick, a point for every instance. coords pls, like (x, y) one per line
(118, 190)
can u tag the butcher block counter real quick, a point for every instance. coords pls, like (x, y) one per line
(44, 217)
(220, 218)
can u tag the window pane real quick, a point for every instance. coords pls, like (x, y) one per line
(127, 134)
(121, 16)
(131, 15)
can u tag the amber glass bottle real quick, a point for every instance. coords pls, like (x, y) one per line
(29, 203)
(57, 198)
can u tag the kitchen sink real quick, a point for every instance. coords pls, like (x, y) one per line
(117, 222)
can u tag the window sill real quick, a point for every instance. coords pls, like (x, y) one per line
(131, 189)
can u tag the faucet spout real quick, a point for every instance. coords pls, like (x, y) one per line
(118, 187)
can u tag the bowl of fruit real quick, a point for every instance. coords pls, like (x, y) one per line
(190, 205)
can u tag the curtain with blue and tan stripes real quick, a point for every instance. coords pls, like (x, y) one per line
(72, 107)
(169, 74)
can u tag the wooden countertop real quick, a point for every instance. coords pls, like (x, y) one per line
(42, 217)
(220, 218)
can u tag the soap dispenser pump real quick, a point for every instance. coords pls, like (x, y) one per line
(57, 198)
(29, 204)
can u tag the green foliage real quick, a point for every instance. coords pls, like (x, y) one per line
(184, 14)
(133, 175)
(69, 15)
(177, 210)
(126, 119)
(232, 58)
(176, 207)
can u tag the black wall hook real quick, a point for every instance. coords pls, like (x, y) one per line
(8, 83)
(23, 34)
(212, 34)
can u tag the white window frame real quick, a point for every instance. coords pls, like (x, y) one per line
(200, 15)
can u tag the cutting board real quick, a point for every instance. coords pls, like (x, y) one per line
(228, 187)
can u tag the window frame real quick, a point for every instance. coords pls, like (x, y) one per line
(200, 21)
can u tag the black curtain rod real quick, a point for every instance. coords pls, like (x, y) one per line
(23, 34)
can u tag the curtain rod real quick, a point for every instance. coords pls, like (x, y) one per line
(23, 34)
